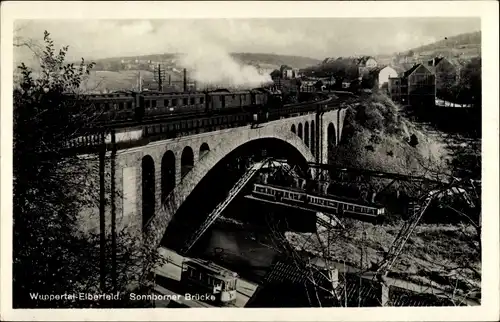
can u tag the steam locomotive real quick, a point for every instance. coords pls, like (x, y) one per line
(129, 106)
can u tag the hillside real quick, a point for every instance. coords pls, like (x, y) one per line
(122, 73)
(275, 59)
(255, 59)
(376, 136)
(463, 46)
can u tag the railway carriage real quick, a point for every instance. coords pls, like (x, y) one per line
(136, 106)
(116, 106)
(172, 103)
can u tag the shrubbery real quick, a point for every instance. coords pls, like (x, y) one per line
(376, 113)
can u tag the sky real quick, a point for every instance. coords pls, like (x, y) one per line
(310, 37)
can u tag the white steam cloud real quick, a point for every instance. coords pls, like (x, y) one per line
(213, 66)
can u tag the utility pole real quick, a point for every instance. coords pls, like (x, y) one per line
(113, 212)
(159, 76)
(185, 80)
(102, 221)
(139, 82)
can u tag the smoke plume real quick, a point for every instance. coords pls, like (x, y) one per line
(211, 65)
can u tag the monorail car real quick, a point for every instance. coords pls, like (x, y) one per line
(337, 205)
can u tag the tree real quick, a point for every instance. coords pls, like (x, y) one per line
(52, 184)
(470, 81)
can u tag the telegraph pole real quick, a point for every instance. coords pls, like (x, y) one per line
(185, 81)
(113, 212)
(102, 222)
(159, 76)
(139, 82)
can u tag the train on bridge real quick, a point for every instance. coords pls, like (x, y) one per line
(148, 105)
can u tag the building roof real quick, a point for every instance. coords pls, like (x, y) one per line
(402, 297)
(288, 284)
(362, 60)
(411, 70)
(377, 69)
(432, 63)
(285, 271)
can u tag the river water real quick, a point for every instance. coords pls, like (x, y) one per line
(248, 253)
(244, 241)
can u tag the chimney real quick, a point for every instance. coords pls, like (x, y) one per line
(185, 80)
(169, 80)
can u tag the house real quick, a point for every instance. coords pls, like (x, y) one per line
(379, 77)
(346, 70)
(365, 64)
(289, 72)
(446, 71)
(416, 87)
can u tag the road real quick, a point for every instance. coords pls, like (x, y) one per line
(172, 270)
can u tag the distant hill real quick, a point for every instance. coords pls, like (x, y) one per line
(275, 59)
(122, 73)
(461, 47)
(259, 59)
(469, 41)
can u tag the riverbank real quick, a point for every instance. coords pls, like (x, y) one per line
(439, 255)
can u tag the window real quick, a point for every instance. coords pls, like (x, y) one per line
(165, 103)
(192, 101)
(201, 100)
(154, 103)
(120, 106)
(185, 101)
(146, 103)
(129, 105)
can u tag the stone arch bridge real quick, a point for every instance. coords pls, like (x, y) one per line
(153, 180)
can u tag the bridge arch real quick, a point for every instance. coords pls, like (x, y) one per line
(313, 138)
(148, 189)
(204, 148)
(187, 161)
(158, 226)
(306, 133)
(167, 173)
(300, 131)
(294, 130)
